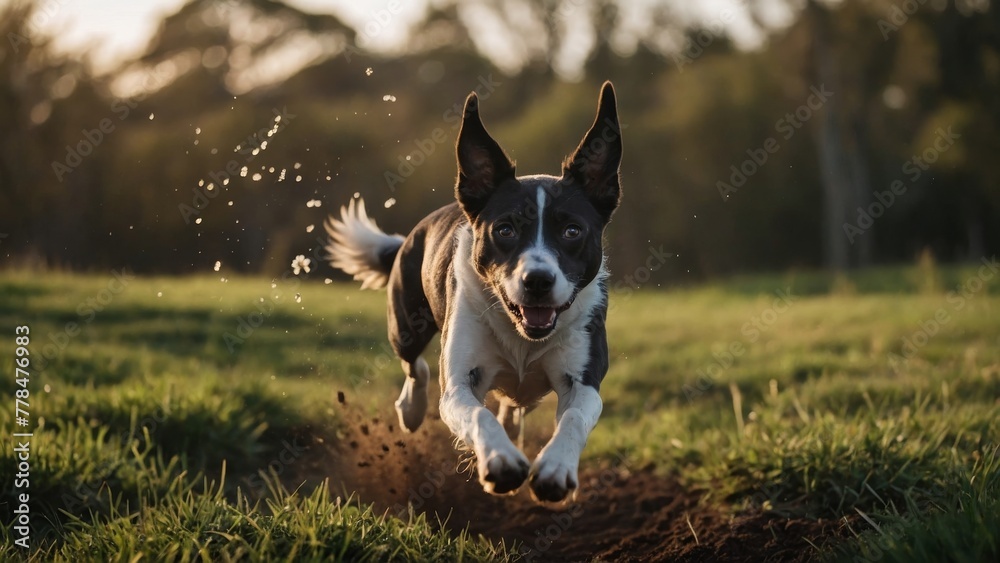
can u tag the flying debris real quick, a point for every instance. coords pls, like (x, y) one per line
(300, 263)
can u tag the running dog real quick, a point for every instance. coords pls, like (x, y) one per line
(513, 276)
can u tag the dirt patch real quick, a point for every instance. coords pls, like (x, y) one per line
(620, 514)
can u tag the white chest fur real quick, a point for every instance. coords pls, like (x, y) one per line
(523, 371)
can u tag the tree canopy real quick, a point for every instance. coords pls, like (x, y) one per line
(857, 133)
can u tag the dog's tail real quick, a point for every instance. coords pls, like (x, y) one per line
(359, 248)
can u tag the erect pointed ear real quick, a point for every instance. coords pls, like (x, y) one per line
(594, 164)
(482, 164)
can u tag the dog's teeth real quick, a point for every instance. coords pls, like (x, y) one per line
(538, 317)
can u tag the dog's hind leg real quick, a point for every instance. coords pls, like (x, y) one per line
(411, 328)
(411, 406)
(512, 418)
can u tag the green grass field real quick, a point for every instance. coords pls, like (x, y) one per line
(158, 404)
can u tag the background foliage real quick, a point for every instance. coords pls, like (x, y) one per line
(693, 105)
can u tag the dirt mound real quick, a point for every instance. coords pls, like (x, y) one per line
(620, 513)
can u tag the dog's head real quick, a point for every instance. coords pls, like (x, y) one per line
(538, 240)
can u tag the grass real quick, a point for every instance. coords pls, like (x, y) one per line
(874, 398)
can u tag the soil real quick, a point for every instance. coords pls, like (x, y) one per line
(620, 513)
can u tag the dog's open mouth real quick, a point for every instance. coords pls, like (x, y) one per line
(536, 322)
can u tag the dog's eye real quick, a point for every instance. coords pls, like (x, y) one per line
(572, 231)
(504, 230)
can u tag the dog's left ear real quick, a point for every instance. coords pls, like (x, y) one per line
(594, 165)
(482, 164)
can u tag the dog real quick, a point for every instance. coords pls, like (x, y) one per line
(513, 274)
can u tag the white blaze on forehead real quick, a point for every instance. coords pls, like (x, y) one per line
(540, 200)
(538, 256)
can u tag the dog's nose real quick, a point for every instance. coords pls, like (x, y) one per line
(538, 282)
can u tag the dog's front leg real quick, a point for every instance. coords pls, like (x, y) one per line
(554, 473)
(502, 467)
(465, 380)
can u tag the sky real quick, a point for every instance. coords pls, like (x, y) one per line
(109, 31)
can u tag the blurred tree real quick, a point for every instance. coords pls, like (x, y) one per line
(199, 108)
(45, 101)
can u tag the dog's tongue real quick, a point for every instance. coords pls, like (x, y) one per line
(538, 317)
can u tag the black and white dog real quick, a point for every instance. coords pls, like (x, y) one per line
(513, 276)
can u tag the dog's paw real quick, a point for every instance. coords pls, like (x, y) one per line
(411, 406)
(502, 471)
(552, 479)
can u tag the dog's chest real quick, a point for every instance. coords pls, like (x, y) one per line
(520, 376)
(524, 372)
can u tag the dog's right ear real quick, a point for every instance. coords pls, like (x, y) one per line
(482, 164)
